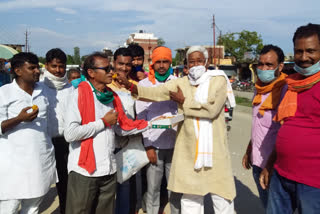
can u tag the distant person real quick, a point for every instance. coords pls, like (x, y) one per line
(56, 83)
(73, 73)
(270, 89)
(137, 72)
(295, 163)
(4, 72)
(27, 163)
(185, 70)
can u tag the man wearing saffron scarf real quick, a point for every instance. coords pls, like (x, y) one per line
(159, 143)
(295, 181)
(90, 120)
(270, 89)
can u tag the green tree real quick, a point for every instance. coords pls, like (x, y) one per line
(174, 62)
(178, 58)
(76, 55)
(240, 44)
(70, 60)
(42, 59)
(83, 58)
(161, 42)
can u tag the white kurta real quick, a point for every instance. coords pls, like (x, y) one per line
(27, 163)
(103, 138)
(57, 106)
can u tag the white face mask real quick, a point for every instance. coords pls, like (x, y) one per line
(196, 72)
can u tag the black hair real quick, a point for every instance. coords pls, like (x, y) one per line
(89, 62)
(72, 70)
(136, 50)
(122, 52)
(19, 59)
(56, 53)
(307, 31)
(279, 52)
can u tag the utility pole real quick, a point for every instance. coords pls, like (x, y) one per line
(219, 49)
(27, 48)
(214, 40)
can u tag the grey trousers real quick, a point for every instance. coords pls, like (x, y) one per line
(154, 178)
(94, 195)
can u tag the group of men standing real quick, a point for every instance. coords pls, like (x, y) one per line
(283, 150)
(55, 132)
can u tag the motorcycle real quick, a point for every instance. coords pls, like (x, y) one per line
(228, 112)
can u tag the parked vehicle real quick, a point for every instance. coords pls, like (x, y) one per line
(228, 112)
(246, 85)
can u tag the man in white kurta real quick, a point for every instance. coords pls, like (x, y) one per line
(27, 163)
(58, 89)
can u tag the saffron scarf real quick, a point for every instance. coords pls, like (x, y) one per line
(274, 97)
(87, 112)
(158, 54)
(296, 84)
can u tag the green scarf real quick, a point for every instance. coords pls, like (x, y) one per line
(162, 78)
(104, 97)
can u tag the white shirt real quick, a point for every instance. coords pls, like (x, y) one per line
(27, 163)
(103, 138)
(57, 105)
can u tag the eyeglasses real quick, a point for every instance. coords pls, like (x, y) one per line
(106, 69)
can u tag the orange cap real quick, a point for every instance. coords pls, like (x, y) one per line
(158, 54)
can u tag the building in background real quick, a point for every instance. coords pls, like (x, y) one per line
(147, 41)
(216, 55)
(109, 52)
(17, 47)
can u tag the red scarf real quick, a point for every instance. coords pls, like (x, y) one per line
(87, 112)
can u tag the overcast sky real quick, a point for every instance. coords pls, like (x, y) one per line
(95, 24)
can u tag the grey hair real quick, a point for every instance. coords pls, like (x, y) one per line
(199, 49)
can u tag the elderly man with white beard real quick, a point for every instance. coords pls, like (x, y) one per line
(201, 162)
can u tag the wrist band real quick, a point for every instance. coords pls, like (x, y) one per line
(106, 124)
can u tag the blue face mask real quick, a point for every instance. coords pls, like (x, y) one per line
(266, 76)
(309, 70)
(137, 68)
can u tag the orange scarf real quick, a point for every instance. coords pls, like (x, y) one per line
(158, 54)
(87, 112)
(296, 84)
(273, 99)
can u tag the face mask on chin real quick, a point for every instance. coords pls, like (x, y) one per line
(266, 76)
(196, 72)
(309, 70)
